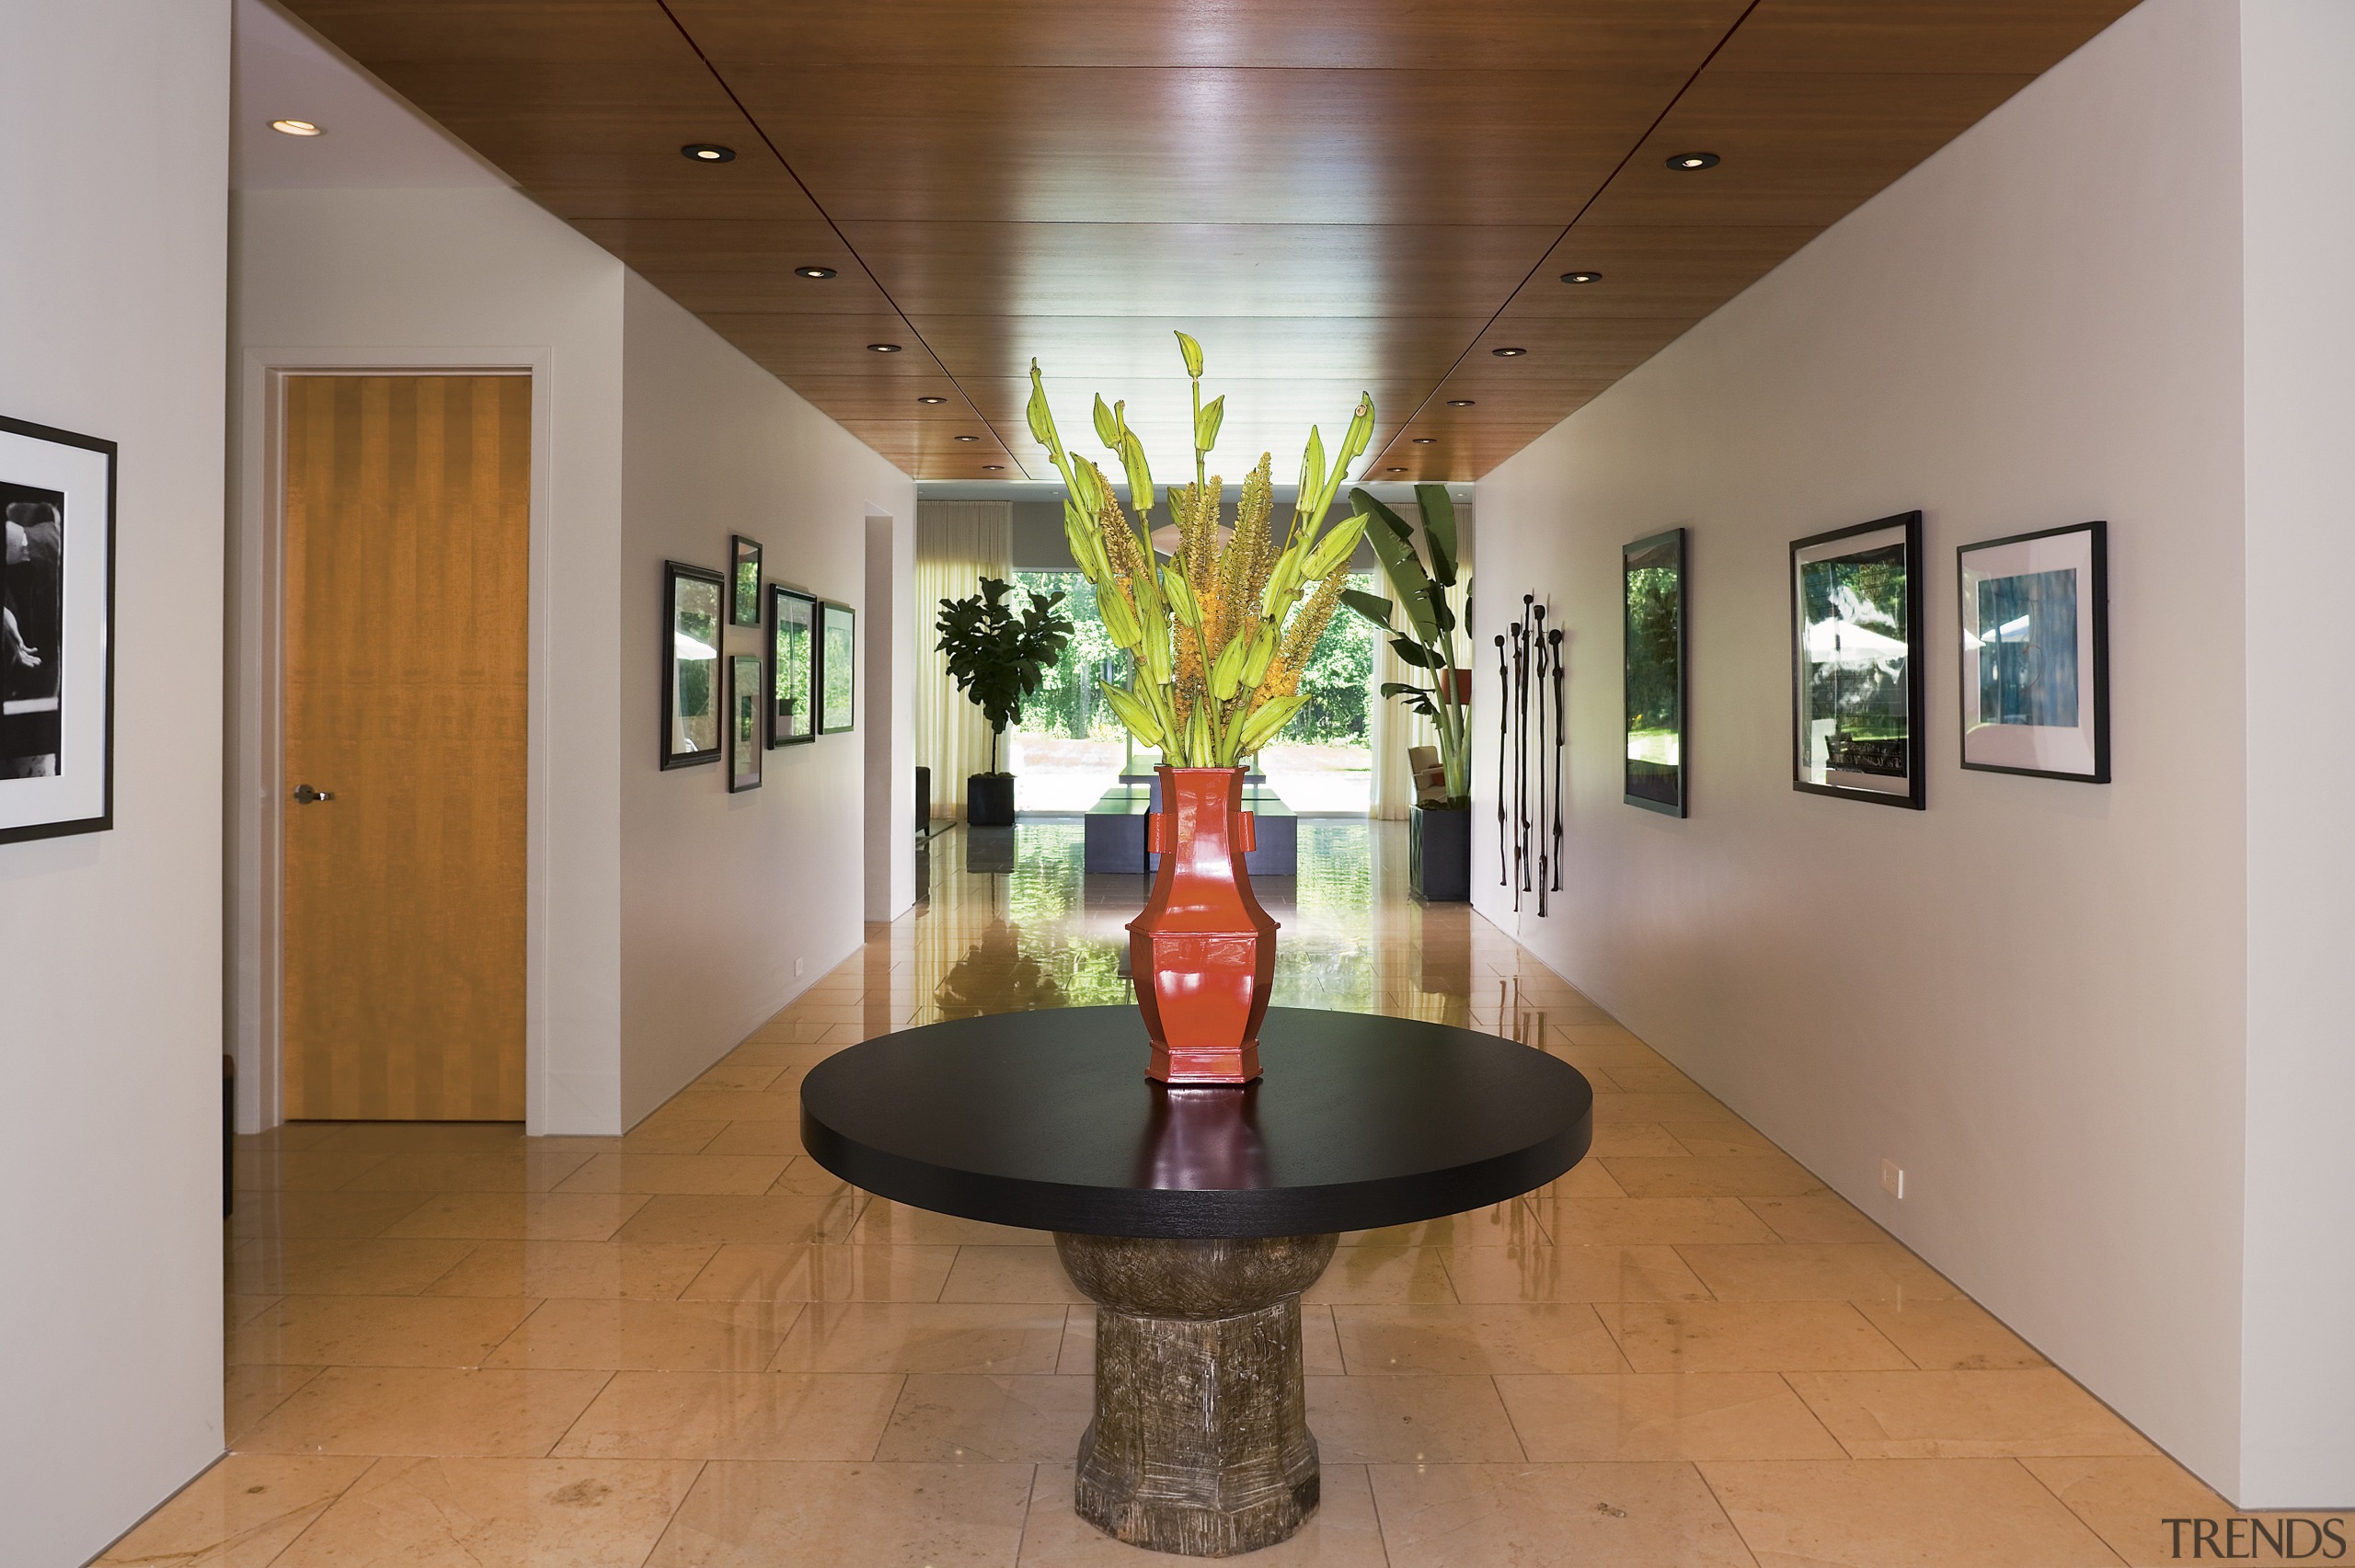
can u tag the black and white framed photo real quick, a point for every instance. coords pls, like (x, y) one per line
(793, 666)
(56, 633)
(1857, 676)
(1651, 573)
(2036, 654)
(694, 604)
(744, 584)
(837, 668)
(745, 701)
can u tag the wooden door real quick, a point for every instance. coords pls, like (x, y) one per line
(408, 549)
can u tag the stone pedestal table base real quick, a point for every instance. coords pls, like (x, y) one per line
(1199, 1443)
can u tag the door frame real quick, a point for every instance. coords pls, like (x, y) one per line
(254, 995)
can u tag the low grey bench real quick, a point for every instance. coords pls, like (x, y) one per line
(1113, 834)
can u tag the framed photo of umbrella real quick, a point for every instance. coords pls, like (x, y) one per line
(2036, 654)
(793, 666)
(693, 602)
(1856, 679)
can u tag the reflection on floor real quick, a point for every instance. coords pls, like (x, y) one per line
(690, 1346)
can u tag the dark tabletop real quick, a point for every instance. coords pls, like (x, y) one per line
(1046, 1120)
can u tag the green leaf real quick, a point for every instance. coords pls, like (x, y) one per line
(1268, 719)
(1399, 688)
(1334, 550)
(1414, 653)
(1108, 430)
(1439, 530)
(1394, 546)
(1207, 422)
(1372, 606)
(1140, 478)
(1311, 469)
(1193, 353)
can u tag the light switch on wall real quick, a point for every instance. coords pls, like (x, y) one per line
(1893, 1179)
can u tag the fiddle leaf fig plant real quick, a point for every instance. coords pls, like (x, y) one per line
(998, 656)
(1428, 639)
(1218, 631)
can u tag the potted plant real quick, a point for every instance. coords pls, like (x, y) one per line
(1216, 634)
(998, 657)
(1438, 861)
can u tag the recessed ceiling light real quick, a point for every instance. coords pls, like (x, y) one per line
(1393, 471)
(813, 271)
(932, 400)
(1426, 441)
(297, 128)
(969, 438)
(1581, 277)
(1459, 403)
(707, 153)
(992, 467)
(883, 347)
(1694, 161)
(1508, 353)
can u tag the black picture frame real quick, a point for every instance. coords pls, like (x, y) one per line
(1884, 769)
(57, 651)
(793, 666)
(694, 611)
(837, 668)
(744, 581)
(746, 689)
(1652, 694)
(2061, 586)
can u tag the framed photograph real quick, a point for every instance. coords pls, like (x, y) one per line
(745, 600)
(2036, 654)
(693, 607)
(745, 701)
(56, 633)
(793, 666)
(1651, 575)
(837, 668)
(1856, 662)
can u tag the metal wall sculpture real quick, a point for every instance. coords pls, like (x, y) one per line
(1530, 672)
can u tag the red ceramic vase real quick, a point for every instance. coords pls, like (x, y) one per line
(1204, 952)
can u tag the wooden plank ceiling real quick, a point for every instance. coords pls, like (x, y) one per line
(1333, 195)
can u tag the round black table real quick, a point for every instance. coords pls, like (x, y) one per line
(1195, 1217)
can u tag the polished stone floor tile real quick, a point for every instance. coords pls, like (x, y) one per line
(1584, 1221)
(527, 1169)
(1342, 1533)
(1449, 1340)
(714, 1219)
(967, 1419)
(309, 1266)
(1009, 1274)
(322, 1216)
(1695, 1416)
(888, 1224)
(1385, 1274)
(1711, 1176)
(746, 1271)
(518, 1217)
(849, 1515)
(1952, 1336)
(377, 1331)
(1902, 1514)
(1815, 1216)
(1630, 1515)
(260, 1170)
(734, 1415)
(251, 1392)
(699, 1173)
(1964, 1415)
(240, 1514)
(2127, 1503)
(1411, 1420)
(1867, 1271)
(431, 1513)
(608, 1270)
(905, 1336)
(1750, 1336)
(649, 1336)
(426, 1413)
(1499, 1225)
(1548, 1273)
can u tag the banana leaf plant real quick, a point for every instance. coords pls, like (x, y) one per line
(997, 657)
(1427, 641)
(1217, 634)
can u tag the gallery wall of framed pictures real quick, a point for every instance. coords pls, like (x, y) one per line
(722, 705)
(56, 632)
(1857, 668)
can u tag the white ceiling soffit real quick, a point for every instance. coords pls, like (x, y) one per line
(373, 141)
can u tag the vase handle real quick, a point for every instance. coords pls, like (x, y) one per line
(1249, 835)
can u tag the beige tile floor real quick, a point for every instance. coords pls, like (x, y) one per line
(448, 1345)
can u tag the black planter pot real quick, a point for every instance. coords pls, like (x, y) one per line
(989, 801)
(1438, 855)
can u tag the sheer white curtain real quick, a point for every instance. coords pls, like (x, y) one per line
(1391, 727)
(958, 543)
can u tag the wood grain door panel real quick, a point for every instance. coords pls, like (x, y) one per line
(408, 546)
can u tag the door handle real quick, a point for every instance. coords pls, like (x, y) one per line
(304, 795)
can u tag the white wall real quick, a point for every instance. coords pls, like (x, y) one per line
(456, 278)
(724, 895)
(2298, 1394)
(2032, 995)
(111, 291)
